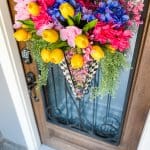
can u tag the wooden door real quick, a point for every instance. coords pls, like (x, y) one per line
(137, 110)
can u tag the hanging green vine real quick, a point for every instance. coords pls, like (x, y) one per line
(110, 69)
(35, 45)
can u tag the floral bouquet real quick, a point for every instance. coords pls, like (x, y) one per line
(80, 36)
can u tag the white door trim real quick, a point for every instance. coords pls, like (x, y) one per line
(14, 75)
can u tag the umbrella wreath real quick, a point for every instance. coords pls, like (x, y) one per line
(80, 36)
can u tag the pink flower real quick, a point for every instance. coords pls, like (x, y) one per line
(43, 19)
(21, 12)
(46, 3)
(108, 33)
(69, 34)
(86, 55)
(135, 8)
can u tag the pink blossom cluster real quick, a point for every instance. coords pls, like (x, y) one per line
(78, 75)
(135, 8)
(109, 33)
(87, 56)
(46, 3)
(69, 33)
(21, 11)
(79, 78)
(43, 20)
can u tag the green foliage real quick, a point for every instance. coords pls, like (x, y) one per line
(35, 45)
(28, 23)
(77, 18)
(90, 25)
(70, 21)
(110, 69)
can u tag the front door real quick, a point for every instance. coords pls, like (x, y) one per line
(108, 123)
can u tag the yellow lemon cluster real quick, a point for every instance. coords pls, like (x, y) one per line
(22, 35)
(54, 56)
(81, 41)
(97, 52)
(50, 35)
(77, 61)
(66, 10)
(33, 8)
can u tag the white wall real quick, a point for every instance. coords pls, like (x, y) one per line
(9, 124)
(144, 143)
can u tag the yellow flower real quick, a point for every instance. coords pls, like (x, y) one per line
(24, 26)
(50, 35)
(97, 52)
(77, 61)
(22, 35)
(46, 55)
(33, 8)
(81, 41)
(66, 10)
(110, 48)
(57, 56)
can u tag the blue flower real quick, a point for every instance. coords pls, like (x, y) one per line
(87, 14)
(54, 10)
(112, 11)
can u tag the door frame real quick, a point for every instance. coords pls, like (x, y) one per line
(14, 75)
(11, 65)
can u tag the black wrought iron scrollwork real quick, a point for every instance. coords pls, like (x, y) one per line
(90, 117)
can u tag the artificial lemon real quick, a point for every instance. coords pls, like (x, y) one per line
(110, 48)
(33, 8)
(57, 56)
(22, 35)
(66, 10)
(46, 55)
(81, 41)
(97, 52)
(77, 61)
(24, 26)
(50, 35)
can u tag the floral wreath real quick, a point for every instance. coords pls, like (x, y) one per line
(80, 36)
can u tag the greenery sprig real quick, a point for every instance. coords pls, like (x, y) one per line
(35, 45)
(110, 68)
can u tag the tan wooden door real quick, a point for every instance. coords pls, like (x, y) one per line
(138, 106)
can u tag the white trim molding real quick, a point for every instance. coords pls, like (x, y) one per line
(14, 75)
(144, 143)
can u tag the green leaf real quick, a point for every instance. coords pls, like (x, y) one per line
(70, 21)
(28, 23)
(77, 18)
(59, 44)
(90, 25)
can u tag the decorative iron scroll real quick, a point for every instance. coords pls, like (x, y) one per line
(96, 118)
